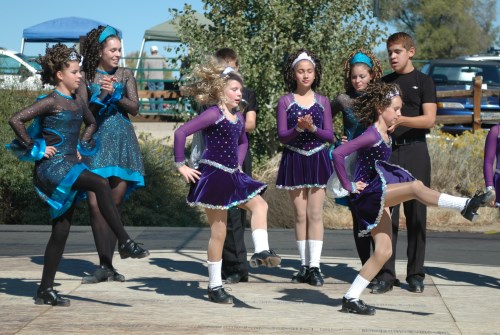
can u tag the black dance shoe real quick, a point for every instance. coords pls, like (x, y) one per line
(315, 277)
(236, 277)
(382, 287)
(219, 295)
(473, 204)
(415, 284)
(133, 250)
(103, 273)
(356, 306)
(302, 276)
(50, 296)
(267, 258)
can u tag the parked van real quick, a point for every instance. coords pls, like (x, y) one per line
(18, 73)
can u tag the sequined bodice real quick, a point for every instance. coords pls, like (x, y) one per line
(222, 142)
(62, 131)
(365, 164)
(306, 140)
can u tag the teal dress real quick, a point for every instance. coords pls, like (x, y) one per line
(57, 122)
(118, 153)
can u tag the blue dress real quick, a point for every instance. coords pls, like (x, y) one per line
(304, 162)
(222, 184)
(58, 119)
(372, 168)
(118, 153)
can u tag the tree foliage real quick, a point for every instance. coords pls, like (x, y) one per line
(442, 28)
(264, 32)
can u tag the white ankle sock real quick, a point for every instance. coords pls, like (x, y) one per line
(315, 247)
(260, 240)
(452, 202)
(214, 274)
(301, 246)
(357, 288)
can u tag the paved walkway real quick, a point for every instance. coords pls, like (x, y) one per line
(166, 293)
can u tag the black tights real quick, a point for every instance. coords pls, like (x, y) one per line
(87, 181)
(105, 239)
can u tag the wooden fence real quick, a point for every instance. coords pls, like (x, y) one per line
(477, 93)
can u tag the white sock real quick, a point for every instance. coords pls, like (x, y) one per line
(260, 241)
(357, 288)
(315, 248)
(301, 246)
(214, 274)
(452, 202)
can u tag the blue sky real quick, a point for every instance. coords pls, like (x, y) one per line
(132, 17)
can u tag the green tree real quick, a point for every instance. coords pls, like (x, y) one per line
(442, 28)
(264, 32)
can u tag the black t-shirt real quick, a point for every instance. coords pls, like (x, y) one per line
(417, 89)
(251, 101)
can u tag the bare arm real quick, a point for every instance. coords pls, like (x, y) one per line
(424, 121)
(250, 121)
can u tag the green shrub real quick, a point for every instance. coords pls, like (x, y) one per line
(160, 203)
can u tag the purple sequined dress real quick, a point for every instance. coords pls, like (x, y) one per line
(222, 185)
(304, 162)
(492, 151)
(372, 168)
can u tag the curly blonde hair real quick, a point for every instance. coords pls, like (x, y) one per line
(206, 82)
(378, 95)
(375, 70)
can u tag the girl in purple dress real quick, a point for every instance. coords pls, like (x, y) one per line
(304, 121)
(219, 183)
(492, 173)
(377, 185)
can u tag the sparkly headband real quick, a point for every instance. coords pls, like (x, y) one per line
(108, 31)
(73, 56)
(303, 56)
(227, 71)
(393, 94)
(361, 58)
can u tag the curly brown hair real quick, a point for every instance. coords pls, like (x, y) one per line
(378, 95)
(289, 73)
(206, 82)
(375, 70)
(91, 51)
(56, 58)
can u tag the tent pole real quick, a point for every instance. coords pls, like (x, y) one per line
(139, 57)
(122, 60)
(22, 45)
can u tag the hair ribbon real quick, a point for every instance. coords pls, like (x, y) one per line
(107, 32)
(361, 58)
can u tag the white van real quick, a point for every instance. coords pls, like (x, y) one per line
(18, 73)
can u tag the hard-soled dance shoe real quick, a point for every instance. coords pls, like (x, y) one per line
(356, 306)
(133, 250)
(315, 277)
(267, 258)
(50, 296)
(103, 273)
(302, 276)
(473, 204)
(219, 295)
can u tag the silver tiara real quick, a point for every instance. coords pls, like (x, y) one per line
(73, 56)
(393, 94)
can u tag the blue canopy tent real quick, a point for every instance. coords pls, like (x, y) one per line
(64, 30)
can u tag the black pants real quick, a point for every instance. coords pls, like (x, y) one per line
(234, 254)
(413, 157)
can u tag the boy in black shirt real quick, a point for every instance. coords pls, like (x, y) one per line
(410, 152)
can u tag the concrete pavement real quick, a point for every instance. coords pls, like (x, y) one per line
(166, 293)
